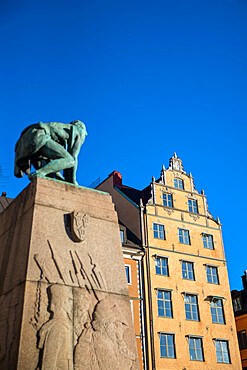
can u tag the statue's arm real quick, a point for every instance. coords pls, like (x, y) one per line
(77, 139)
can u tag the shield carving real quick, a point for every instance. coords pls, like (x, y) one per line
(79, 223)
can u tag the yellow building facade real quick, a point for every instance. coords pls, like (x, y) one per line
(187, 319)
(190, 319)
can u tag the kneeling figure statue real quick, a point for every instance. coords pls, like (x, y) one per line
(50, 148)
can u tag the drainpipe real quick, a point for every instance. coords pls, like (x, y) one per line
(150, 302)
(142, 292)
(142, 314)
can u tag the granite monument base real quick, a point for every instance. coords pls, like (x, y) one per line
(64, 301)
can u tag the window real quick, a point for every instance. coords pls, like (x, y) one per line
(128, 273)
(164, 303)
(192, 206)
(242, 339)
(237, 304)
(167, 200)
(208, 241)
(184, 236)
(159, 231)
(179, 184)
(195, 349)
(122, 236)
(187, 270)
(191, 307)
(222, 351)
(212, 275)
(161, 266)
(217, 311)
(167, 345)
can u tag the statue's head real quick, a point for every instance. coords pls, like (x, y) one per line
(80, 125)
(60, 298)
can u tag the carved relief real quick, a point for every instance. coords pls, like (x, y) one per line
(79, 326)
(169, 210)
(100, 331)
(102, 344)
(194, 216)
(55, 336)
(79, 223)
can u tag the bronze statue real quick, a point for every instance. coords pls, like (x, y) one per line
(50, 148)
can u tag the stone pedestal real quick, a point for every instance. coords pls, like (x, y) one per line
(64, 300)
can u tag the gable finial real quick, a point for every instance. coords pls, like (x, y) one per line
(176, 163)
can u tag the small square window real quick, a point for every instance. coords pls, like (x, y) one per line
(164, 303)
(128, 273)
(161, 266)
(167, 200)
(179, 184)
(159, 231)
(167, 348)
(242, 339)
(222, 351)
(192, 206)
(212, 275)
(187, 270)
(217, 313)
(195, 349)
(208, 241)
(191, 307)
(122, 236)
(184, 236)
(237, 304)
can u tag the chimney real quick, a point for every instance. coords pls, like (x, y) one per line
(244, 280)
(117, 179)
(4, 194)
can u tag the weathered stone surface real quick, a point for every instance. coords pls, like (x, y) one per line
(64, 298)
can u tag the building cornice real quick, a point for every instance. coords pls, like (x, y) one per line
(184, 222)
(192, 193)
(188, 254)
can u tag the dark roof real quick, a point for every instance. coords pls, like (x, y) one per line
(4, 202)
(132, 237)
(131, 193)
(146, 194)
(135, 195)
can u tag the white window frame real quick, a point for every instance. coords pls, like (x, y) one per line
(161, 258)
(160, 224)
(237, 305)
(206, 235)
(193, 272)
(217, 274)
(122, 233)
(130, 276)
(193, 206)
(167, 200)
(182, 236)
(177, 187)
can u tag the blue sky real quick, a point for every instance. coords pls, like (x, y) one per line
(148, 78)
